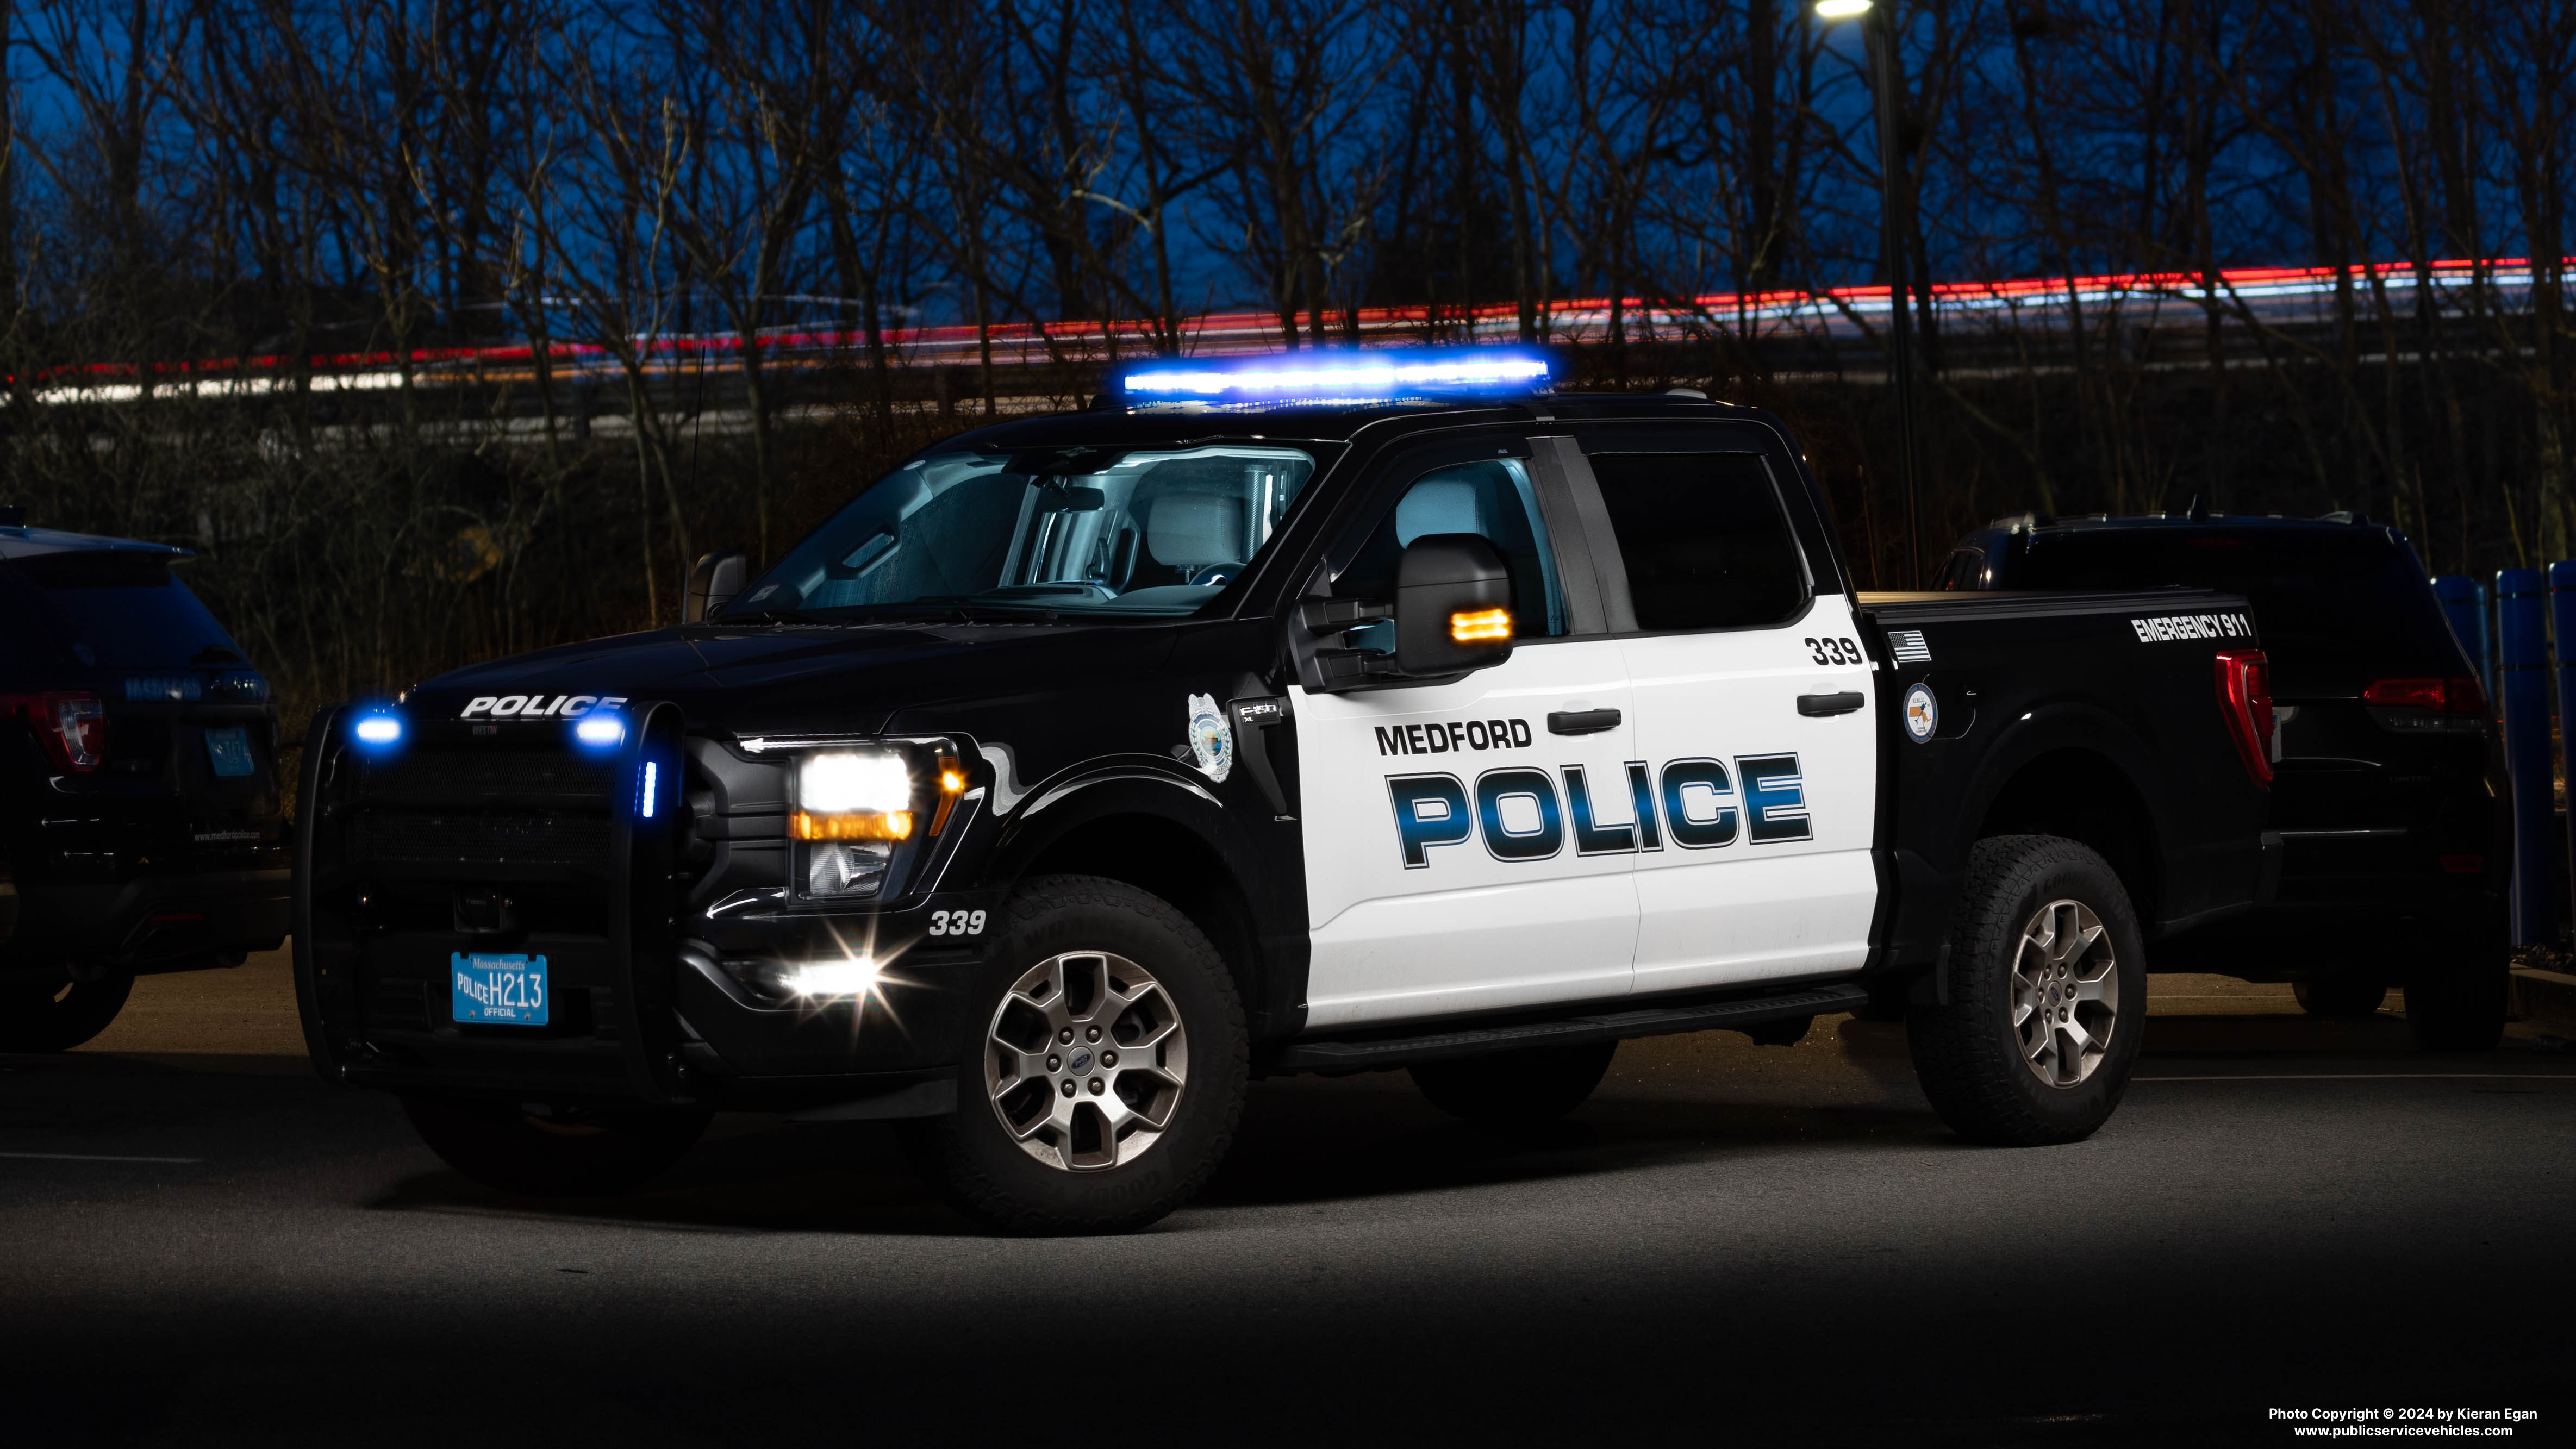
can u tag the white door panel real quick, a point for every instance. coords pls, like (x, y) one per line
(1765, 868)
(1459, 855)
(1753, 919)
(1407, 956)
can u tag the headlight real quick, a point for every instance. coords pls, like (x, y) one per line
(856, 807)
(853, 795)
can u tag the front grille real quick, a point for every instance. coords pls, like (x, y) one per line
(480, 837)
(432, 774)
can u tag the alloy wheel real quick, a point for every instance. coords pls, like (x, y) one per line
(2065, 993)
(1085, 1061)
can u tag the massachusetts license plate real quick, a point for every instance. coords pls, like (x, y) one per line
(496, 990)
(230, 752)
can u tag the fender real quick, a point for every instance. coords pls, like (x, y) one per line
(1116, 785)
(1944, 809)
(2045, 728)
(1149, 787)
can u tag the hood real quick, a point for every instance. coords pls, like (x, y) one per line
(795, 679)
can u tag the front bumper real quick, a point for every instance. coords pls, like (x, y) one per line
(155, 920)
(647, 953)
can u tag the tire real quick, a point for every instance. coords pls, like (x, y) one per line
(2034, 909)
(2456, 1002)
(2341, 995)
(1053, 1133)
(554, 1149)
(1529, 1085)
(58, 1018)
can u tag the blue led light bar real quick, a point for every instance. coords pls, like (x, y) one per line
(1321, 377)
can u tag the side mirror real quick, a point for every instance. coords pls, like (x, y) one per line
(713, 583)
(1453, 598)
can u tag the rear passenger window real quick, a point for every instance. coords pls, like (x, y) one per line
(1703, 537)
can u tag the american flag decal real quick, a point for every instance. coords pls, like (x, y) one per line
(1909, 646)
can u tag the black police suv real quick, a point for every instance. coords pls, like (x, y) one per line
(139, 797)
(1327, 713)
(2388, 784)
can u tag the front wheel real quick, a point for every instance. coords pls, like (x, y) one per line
(2048, 997)
(554, 1149)
(1105, 1068)
(59, 1017)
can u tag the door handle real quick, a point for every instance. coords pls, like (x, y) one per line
(1582, 721)
(1819, 705)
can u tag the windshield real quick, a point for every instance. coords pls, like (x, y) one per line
(1072, 530)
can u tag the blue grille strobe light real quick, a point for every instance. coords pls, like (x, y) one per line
(377, 729)
(1334, 378)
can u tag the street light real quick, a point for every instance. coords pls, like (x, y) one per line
(1878, 34)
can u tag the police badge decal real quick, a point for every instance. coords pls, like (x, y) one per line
(1211, 738)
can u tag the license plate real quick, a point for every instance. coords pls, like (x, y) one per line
(492, 990)
(230, 752)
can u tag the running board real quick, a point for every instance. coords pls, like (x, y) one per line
(1385, 1052)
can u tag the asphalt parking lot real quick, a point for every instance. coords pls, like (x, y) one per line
(202, 1244)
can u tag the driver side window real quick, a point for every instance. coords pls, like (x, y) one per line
(1492, 499)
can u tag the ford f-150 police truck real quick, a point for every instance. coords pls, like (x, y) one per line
(1333, 713)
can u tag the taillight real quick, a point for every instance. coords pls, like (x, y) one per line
(71, 727)
(2444, 696)
(2245, 698)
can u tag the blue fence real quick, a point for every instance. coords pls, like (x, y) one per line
(2510, 644)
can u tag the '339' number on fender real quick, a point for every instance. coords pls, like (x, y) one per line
(1834, 651)
(956, 923)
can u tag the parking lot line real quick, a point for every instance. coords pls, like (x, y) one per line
(90, 1157)
(2373, 1077)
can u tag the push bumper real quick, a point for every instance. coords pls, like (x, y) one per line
(646, 1002)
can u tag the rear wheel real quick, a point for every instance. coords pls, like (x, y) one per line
(1105, 1068)
(61, 1016)
(1528, 1085)
(2048, 995)
(554, 1149)
(2340, 995)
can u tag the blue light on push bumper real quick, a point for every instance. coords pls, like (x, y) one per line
(378, 729)
(1335, 378)
(647, 788)
(600, 731)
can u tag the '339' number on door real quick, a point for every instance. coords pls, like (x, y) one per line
(956, 923)
(1834, 651)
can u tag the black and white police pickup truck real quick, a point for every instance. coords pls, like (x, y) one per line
(1333, 713)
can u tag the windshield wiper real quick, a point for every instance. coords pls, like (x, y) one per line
(766, 616)
(945, 613)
